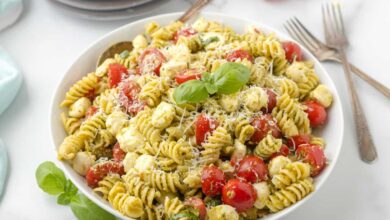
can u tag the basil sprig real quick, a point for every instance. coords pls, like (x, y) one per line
(52, 180)
(227, 79)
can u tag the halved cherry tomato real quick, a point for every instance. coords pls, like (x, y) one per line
(197, 204)
(239, 194)
(293, 51)
(264, 124)
(213, 180)
(294, 141)
(91, 111)
(100, 170)
(239, 54)
(128, 97)
(130, 89)
(151, 61)
(284, 151)
(252, 169)
(204, 126)
(314, 155)
(271, 101)
(117, 153)
(136, 106)
(184, 78)
(116, 73)
(186, 32)
(316, 113)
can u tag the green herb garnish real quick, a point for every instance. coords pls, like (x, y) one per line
(52, 180)
(209, 40)
(227, 79)
(124, 54)
(185, 215)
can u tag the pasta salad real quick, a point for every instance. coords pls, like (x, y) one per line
(198, 122)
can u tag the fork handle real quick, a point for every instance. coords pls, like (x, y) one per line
(379, 86)
(366, 146)
(193, 10)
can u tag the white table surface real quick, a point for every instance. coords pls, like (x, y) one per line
(46, 40)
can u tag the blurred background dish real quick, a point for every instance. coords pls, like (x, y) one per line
(144, 8)
(103, 5)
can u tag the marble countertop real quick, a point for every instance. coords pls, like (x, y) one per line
(46, 40)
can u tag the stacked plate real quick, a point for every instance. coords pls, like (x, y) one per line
(113, 9)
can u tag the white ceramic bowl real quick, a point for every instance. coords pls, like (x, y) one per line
(85, 63)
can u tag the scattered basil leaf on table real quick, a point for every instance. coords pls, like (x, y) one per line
(228, 78)
(52, 180)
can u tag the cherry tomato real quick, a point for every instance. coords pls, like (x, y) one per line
(91, 111)
(314, 155)
(284, 151)
(293, 51)
(130, 89)
(203, 127)
(316, 113)
(136, 106)
(184, 78)
(252, 169)
(294, 141)
(100, 170)
(128, 97)
(271, 101)
(199, 205)
(239, 54)
(151, 61)
(117, 153)
(264, 124)
(239, 194)
(186, 32)
(213, 180)
(116, 72)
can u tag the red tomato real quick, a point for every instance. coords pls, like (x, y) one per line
(151, 61)
(241, 195)
(264, 124)
(252, 169)
(100, 170)
(135, 107)
(199, 205)
(204, 126)
(316, 113)
(130, 89)
(91, 94)
(271, 101)
(184, 78)
(239, 54)
(128, 97)
(117, 153)
(314, 155)
(91, 111)
(116, 72)
(284, 151)
(213, 180)
(186, 32)
(295, 141)
(293, 51)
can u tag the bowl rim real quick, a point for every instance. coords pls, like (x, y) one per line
(331, 163)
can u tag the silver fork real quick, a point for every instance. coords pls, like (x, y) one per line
(325, 53)
(336, 38)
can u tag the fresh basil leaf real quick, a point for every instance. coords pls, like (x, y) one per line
(124, 54)
(206, 76)
(209, 40)
(211, 202)
(230, 77)
(70, 188)
(85, 209)
(50, 178)
(211, 88)
(192, 91)
(64, 199)
(185, 215)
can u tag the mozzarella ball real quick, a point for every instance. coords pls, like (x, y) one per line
(82, 162)
(322, 95)
(140, 42)
(163, 115)
(144, 163)
(171, 68)
(297, 71)
(116, 121)
(263, 193)
(79, 108)
(102, 70)
(129, 161)
(130, 139)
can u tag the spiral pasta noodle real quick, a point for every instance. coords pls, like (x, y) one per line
(286, 197)
(291, 173)
(90, 128)
(71, 125)
(128, 205)
(243, 129)
(214, 144)
(169, 182)
(268, 146)
(69, 147)
(106, 184)
(80, 89)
